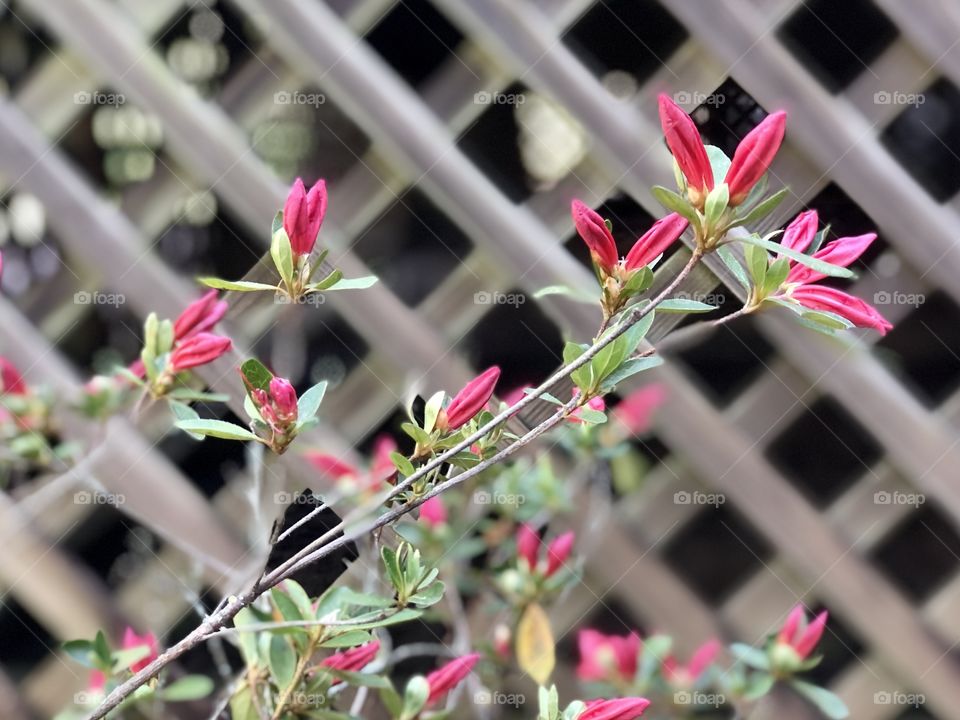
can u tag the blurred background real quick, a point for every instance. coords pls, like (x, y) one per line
(143, 144)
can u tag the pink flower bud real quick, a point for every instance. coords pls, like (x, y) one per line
(558, 551)
(607, 657)
(687, 147)
(284, 399)
(595, 233)
(354, 659)
(635, 410)
(198, 349)
(841, 251)
(382, 467)
(199, 316)
(687, 675)
(663, 233)
(801, 231)
(446, 678)
(132, 640)
(799, 635)
(433, 512)
(861, 314)
(331, 466)
(469, 401)
(303, 214)
(528, 545)
(11, 381)
(617, 709)
(754, 155)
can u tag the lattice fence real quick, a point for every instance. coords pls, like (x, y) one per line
(452, 155)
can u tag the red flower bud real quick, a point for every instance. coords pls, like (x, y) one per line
(444, 679)
(354, 659)
(607, 657)
(199, 316)
(799, 635)
(687, 147)
(303, 214)
(801, 231)
(198, 350)
(558, 551)
(132, 640)
(635, 410)
(528, 545)
(11, 381)
(841, 251)
(654, 241)
(861, 314)
(617, 709)
(754, 155)
(284, 399)
(331, 466)
(596, 234)
(433, 512)
(469, 401)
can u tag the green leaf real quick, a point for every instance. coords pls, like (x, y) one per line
(360, 283)
(429, 595)
(757, 261)
(675, 203)
(549, 703)
(330, 280)
(828, 703)
(402, 464)
(295, 591)
(122, 659)
(751, 656)
(287, 607)
(716, 203)
(216, 428)
(733, 265)
(241, 705)
(351, 638)
(591, 416)
(432, 409)
(776, 274)
(762, 209)
(234, 285)
(758, 685)
(415, 697)
(282, 660)
(282, 255)
(102, 649)
(189, 687)
(256, 374)
(391, 563)
(683, 305)
(569, 292)
(309, 403)
(416, 432)
(247, 640)
(720, 164)
(82, 652)
(807, 260)
(185, 393)
(629, 368)
(277, 223)
(543, 396)
(184, 412)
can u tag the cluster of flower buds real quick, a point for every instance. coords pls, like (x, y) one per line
(705, 199)
(26, 421)
(608, 658)
(790, 650)
(173, 348)
(528, 551)
(788, 281)
(622, 279)
(276, 405)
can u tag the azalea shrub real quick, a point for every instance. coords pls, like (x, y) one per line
(451, 518)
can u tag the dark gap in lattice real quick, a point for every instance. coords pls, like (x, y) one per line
(413, 246)
(519, 338)
(923, 349)
(23, 45)
(104, 336)
(728, 359)
(492, 144)
(919, 712)
(232, 38)
(824, 450)
(220, 247)
(716, 552)
(921, 554)
(109, 543)
(726, 115)
(839, 646)
(417, 631)
(633, 36)
(925, 139)
(836, 41)
(629, 220)
(26, 643)
(415, 38)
